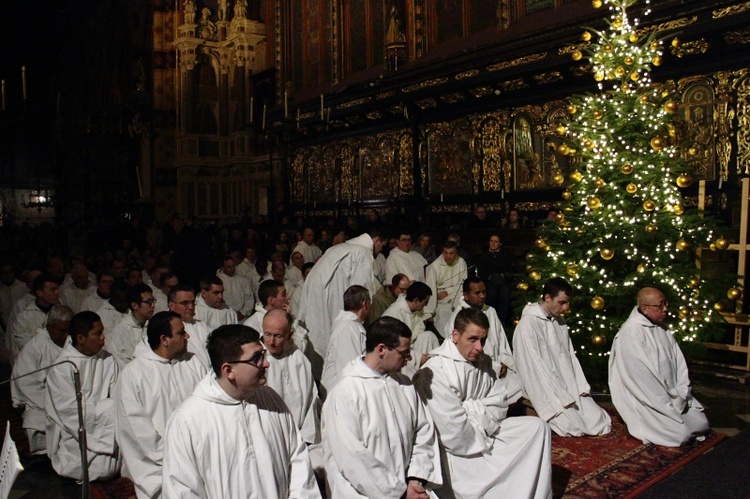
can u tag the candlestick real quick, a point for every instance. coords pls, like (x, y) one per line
(321, 107)
(441, 197)
(328, 113)
(264, 116)
(252, 104)
(286, 105)
(23, 80)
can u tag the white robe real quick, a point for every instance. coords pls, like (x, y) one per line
(237, 293)
(310, 252)
(347, 343)
(412, 264)
(300, 336)
(198, 332)
(9, 295)
(214, 317)
(487, 454)
(497, 347)
(162, 301)
(149, 390)
(290, 375)
(218, 447)
(28, 392)
(247, 270)
(650, 387)
(255, 321)
(377, 434)
(99, 375)
(93, 302)
(110, 317)
(342, 266)
(295, 298)
(73, 296)
(293, 275)
(18, 307)
(24, 327)
(443, 277)
(422, 340)
(123, 338)
(552, 378)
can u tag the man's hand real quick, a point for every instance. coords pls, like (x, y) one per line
(415, 490)
(503, 371)
(423, 359)
(442, 295)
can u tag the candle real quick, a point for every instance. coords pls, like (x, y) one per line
(23, 80)
(3, 95)
(328, 119)
(286, 105)
(264, 116)
(252, 103)
(441, 197)
(321, 107)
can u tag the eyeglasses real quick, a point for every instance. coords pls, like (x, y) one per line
(255, 361)
(152, 301)
(405, 354)
(662, 306)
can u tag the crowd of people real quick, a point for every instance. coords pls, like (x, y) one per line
(338, 364)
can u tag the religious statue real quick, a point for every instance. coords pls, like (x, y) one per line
(207, 29)
(189, 7)
(222, 10)
(240, 9)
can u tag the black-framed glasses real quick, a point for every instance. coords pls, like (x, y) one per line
(255, 361)
(405, 354)
(152, 301)
(662, 306)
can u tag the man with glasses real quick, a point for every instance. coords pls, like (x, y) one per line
(402, 260)
(486, 453)
(233, 437)
(378, 439)
(550, 373)
(181, 300)
(125, 336)
(648, 377)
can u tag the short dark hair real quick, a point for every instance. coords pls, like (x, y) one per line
(450, 244)
(472, 279)
(180, 288)
(397, 279)
(354, 296)
(158, 326)
(375, 232)
(134, 294)
(470, 316)
(210, 280)
(268, 289)
(81, 324)
(307, 266)
(388, 331)
(418, 290)
(39, 281)
(225, 344)
(102, 273)
(165, 276)
(554, 285)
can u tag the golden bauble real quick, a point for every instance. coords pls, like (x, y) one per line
(683, 180)
(560, 130)
(598, 340)
(675, 42)
(712, 247)
(625, 87)
(734, 293)
(597, 303)
(665, 94)
(649, 205)
(672, 130)
(651, 228)
(693, 282)
(558, 179)
(617, 22)
(529, 268)
(575, 176)
(671, 106)
(598, 76)
(563, 149)
(607, 254)
(597, 4)
(571, 151)
(627, 169)
(631, 188)
(566, 195)
(535, 275)
(682, 245)
(529, 256)
(547, 247)
(718, 306)
(593, 202)
(678, 209)
(693, 151)
(722, 243)
(633, 37)
(572, 109)
(655, 45)
(641, 268)
(644, 99)
(608, 48)
(560, 217)
(597, 114)
(634, 76)
(656, 60)
(620, 71)
(658, 143)
(522, 286)
(588, 144)
(599, 183)
(572, 269)
(629, 61)
(585, 36)
(577, 55)
(683, 313)
(540, 243)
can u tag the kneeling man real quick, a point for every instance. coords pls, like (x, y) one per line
(487, 454)
(649, 380)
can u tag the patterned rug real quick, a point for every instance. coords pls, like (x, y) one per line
(616, 465)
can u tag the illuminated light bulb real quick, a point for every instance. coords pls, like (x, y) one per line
(598, 340)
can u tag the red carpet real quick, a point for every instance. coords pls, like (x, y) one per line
(616, 465)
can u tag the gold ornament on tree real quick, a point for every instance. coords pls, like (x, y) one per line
(722, 243)
(598, 76)
(566, 195)
(572, 269)
(619, 71)
(588, 144)
(577, 55)
(627, 169)
(693, 151)
(655, 45)
(675, 42)
(629, 61)
(683, 313)
(558, 178)
(597, 114)
(734, 294)
(651, 228)
(572, 109)
(617, 22)
(597, 303)
(649, 205)
(522, 286)
(607, 254)
(540, 243)
(657, 60)
(678, 209)
(608, 48)
(671, 106)
(633, 38)
(563, 149)
(712, 247)
(658, 143)
(597, 4)
(593, 202)
(693, 282)
(599, 183)
(535, 275)
(560, 130)
(598, 340)
(641, 269)
(718, 306)
(631, 188)
(586, 36)
(575, 176)
(683, 180)
(682, 245)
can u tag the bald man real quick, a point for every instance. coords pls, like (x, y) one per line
(648, 377)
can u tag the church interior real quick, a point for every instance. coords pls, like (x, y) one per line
(239, 114)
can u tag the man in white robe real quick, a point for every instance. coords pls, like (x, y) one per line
(28, 391)
(237, 292)
(160, 377)
(445, 277)
(378, 268)
(290, 374)
(307, 246)
(21, 304)
(486, 453)
(386, 296)
(99, 374)
(342, 266)
(78, 289)
(234, 437)
(408, 309)
(271, 295)
(182, 302)
(648, 378)
(167, 280)
(115, 308)
(123, 338)
(550, 373)
(347, 335)
(99, 297)
(295, 293)
(378, 438)
(32, 317)
(402, 260)
(497, 346)
(210, 306)
(247, 270)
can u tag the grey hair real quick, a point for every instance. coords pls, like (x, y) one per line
(59, 313)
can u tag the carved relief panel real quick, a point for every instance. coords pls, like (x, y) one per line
(450, 158)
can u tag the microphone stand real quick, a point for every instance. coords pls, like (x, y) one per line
(85, 488)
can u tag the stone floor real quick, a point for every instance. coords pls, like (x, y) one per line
(725, 395)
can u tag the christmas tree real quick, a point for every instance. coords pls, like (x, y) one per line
(623, 223)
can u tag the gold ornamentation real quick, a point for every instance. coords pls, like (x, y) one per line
(481, 91)
(670, 26)
(534, 205)
(516, 84)
(385, 95)
(517, 62)
(739, 36)
(424, 84)
(569, 49)
(467, 74)
(426, 103)
(374, 115)
(734, 294)
(724, 120)
(452, 209)
(452, 98)
(731, 11)
(631, 188)
(722, 243)
(352, 103)
(597, 303)
(546, 78)
(700, 46)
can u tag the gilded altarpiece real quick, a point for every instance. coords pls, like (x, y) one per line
(742, 86)
(451, 157)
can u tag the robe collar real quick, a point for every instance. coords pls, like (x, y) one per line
(449, 351)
